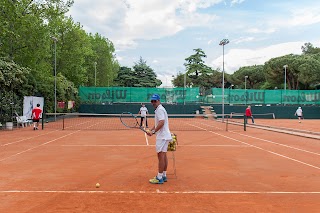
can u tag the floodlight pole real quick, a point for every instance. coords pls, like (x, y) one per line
(285, 79)
(95, 81)
(184, 88)
(55, 77)
(245, 88)
(223, 42)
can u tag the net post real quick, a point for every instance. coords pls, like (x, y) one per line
(42, 121)
(245, 123)
(227, 123)
(63, 122)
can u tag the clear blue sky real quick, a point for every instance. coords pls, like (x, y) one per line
(165, 32)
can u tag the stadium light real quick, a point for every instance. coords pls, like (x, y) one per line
(55, 76)
(245, 82)
(222, 43)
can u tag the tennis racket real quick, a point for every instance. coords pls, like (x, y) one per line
(130, 121)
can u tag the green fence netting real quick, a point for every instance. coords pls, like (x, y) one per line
(250, 96)
(104, 95)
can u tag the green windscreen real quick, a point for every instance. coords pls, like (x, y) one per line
(250, 96)
(102, 95)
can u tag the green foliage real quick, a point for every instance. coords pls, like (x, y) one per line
(26, 31)
(15, 83)
(255, 77)
(140, 76)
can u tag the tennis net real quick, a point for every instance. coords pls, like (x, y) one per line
(177, 122)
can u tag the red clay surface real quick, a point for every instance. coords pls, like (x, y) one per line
(217, 171)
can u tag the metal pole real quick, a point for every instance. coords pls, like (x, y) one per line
(95, 81)
(285, 79)
(245, 83)
(245, 88)
(95, 74)
(184, 88)
(55, 78)
(223, 42)
(223, 83)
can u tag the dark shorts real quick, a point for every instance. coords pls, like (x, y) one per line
(35, 120)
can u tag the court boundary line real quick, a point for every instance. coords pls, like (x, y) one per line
(19, 153)
(269, 141)
(257, 147)
(157, 191)
(137, 145)
(28, 138)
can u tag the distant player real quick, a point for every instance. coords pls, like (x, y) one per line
(299, 114)
(36, 115)
(143, 112)
(249, 114)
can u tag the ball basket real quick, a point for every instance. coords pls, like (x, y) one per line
(172, 146)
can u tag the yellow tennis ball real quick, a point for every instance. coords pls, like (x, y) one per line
(97, 185)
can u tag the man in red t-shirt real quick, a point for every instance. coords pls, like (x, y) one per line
(249, 114)
(36, 114)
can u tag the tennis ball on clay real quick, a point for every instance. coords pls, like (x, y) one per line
(97, 185)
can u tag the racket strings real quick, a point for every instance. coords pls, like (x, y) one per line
(129, 121)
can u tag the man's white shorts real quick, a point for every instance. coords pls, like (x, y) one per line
(162, 145)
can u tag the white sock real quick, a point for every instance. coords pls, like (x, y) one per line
(164, 173)
(159, 176)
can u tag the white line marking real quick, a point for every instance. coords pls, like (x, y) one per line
(27, 138)
(107, 145)
(156, 192)
(116, 145)
(277, 143)
(275, 153)
(19, 153)
(272, 142)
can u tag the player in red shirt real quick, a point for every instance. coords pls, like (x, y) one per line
(249, 114)
(36, 114)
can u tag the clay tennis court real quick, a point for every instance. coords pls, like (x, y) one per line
(54, 170)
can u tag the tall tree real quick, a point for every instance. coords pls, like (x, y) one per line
(254, 80)
(104, 55)
(145, 75)
(308, 48)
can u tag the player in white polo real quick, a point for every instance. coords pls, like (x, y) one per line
(299, 114)
(143, 113)
(163, 137)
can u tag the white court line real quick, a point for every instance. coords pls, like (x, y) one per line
(19, 153)
(27, 138)
(156, 192)
(291, 147)
(110, 145)
(268, 141)
(275, 153)
(119, 145)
